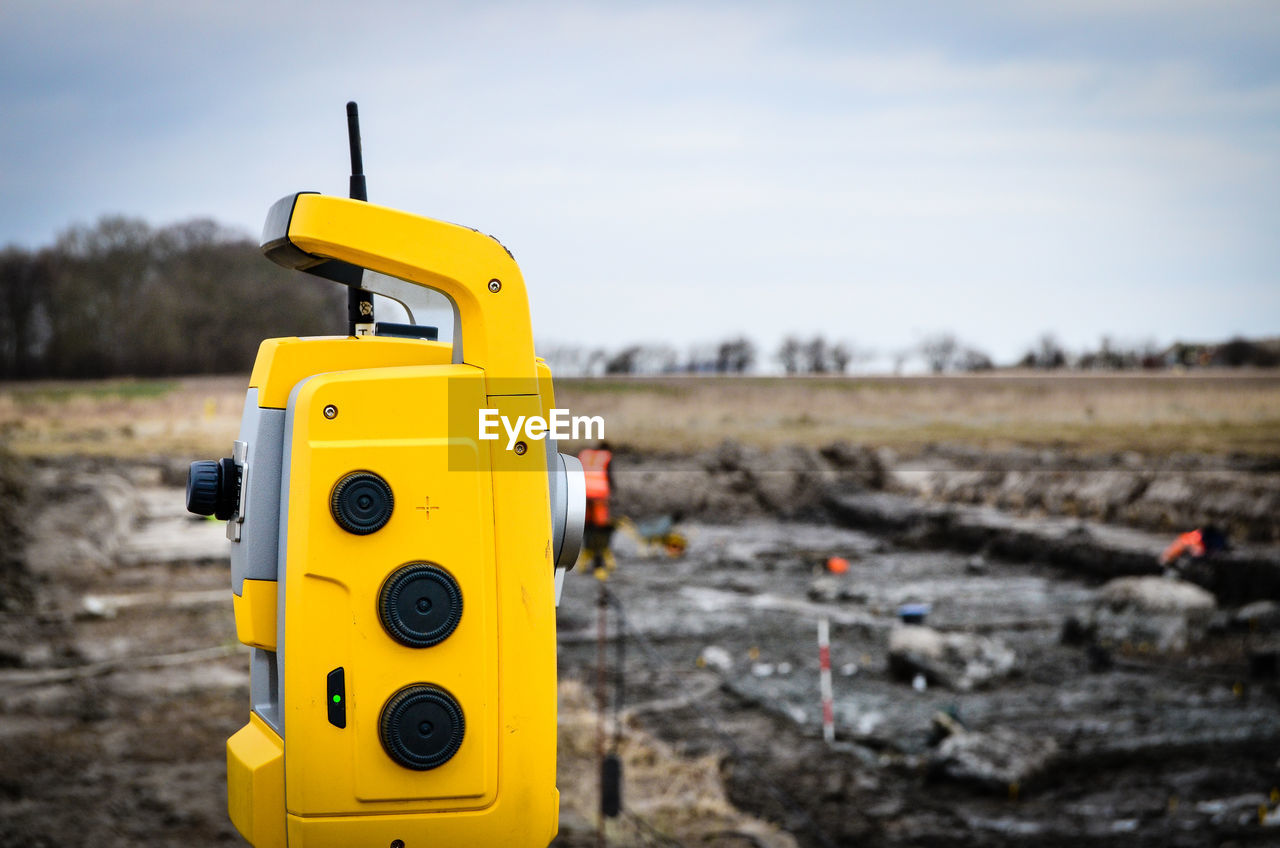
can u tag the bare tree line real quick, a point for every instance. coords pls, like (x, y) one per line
(1049, 354)
(123, 298)
(937, 353)
(735, 355)
(945, 353)
(739, 355)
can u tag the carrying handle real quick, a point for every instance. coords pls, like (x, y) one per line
(492, 327)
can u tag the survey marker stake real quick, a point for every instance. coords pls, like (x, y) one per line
(824, 672)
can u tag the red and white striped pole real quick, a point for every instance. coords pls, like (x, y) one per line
(824, 666)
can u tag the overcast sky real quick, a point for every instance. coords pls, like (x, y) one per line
(681, 171)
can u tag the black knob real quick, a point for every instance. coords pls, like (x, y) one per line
(420, 605)
(421, 727)
(361, 503)
(213, 488)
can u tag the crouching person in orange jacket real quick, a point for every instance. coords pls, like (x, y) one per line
(1197, 544)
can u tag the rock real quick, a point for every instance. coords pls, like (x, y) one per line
(1165, 614)
(1156, 594)
(91, 606)
(995, 760)
(1249, 504)
(39, 655)
(864, 724)
(1102, 494)
(1259, 616)
(858, 466)
(726, 456)
(730, 482)
(944, 724)
(790, 481)
(960, 661)
(797, 714)
(97, 512)
(715, 657)
(1237, 811)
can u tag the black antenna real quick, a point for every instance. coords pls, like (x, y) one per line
(358, 189)
(359, 301)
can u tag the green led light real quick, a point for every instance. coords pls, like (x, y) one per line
(337, 699)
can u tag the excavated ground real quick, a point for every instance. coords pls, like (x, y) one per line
(1151, 750)
(121, 678)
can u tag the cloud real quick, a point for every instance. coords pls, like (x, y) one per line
(991, 166)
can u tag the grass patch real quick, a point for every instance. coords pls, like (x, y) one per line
(1214, 413)
(62, 392)
(621, 386)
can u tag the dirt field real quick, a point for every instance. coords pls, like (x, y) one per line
(122, 678)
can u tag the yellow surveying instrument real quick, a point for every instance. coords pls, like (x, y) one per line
(395, 573)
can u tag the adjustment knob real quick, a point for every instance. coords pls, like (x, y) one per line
(420, 605)
(361, 503)
(421, 727)
(213, 488)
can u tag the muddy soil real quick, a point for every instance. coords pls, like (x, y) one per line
(1163, 495)
(123, 671)
(1150, 750)
(122, 680)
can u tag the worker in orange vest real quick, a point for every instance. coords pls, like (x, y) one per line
(598, 530)
(1196, 544)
